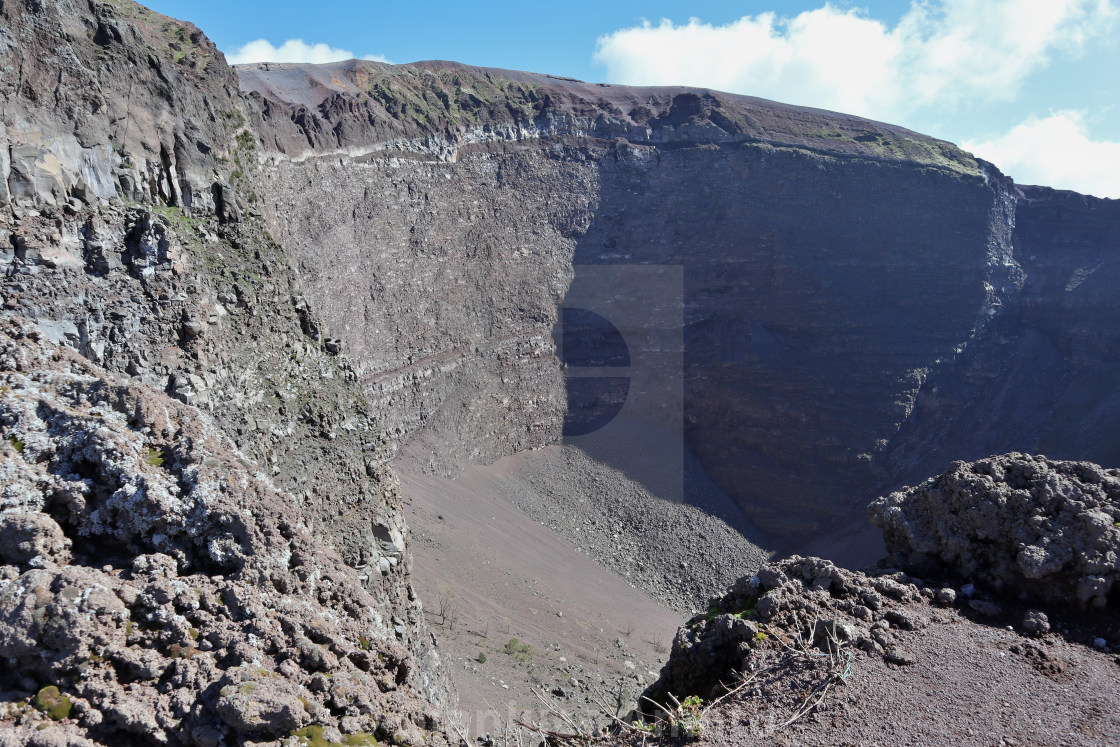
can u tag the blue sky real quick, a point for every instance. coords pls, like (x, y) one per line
(1032, 85)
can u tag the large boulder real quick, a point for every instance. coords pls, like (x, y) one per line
(1021, 525)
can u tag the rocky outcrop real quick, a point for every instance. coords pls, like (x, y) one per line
(808, 653)
(807, 603)
(161, 583)
(109, 98)
(987, 559)
(1020, 525)
(149, 259)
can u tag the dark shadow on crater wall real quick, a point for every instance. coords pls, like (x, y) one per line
(801, 311)
(846, 326)
(620, 339)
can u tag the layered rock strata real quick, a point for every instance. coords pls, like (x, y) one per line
(858, 300)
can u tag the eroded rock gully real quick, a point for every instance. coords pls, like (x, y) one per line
(230, 297)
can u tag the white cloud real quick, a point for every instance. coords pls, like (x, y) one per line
(293, 50)
(938, 56)
(1056, 151)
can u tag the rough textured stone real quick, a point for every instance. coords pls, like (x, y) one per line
(1017, 524)
(261, 705)
(811, 604)
(166, 470)
(32, 538)
(193, 579)
(1035, 623)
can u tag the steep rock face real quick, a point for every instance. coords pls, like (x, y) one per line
(150, 260)
(443, 280)
(819, 291)
(829, 263)
(1042, 376)
(1070, 248)
(102, 99)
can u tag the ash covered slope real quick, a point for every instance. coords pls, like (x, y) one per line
(128, 234)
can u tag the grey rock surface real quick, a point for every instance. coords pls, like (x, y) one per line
(856, 296)
(131, 242)
(156, 577)
(1017, 524)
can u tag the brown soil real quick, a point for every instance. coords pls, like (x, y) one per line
(968, 684)
(510, 577)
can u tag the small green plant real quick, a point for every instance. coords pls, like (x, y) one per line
(53, 703)
(364, 643)
(17, 443)
(246, 140)
(690, 714)
(481, 658)
(313, 735)
(684, 719)
(359, 738)
(521, 652)
(155, 457)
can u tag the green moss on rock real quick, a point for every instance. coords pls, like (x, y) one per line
(53, 703)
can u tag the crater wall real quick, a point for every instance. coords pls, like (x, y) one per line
(831, 265)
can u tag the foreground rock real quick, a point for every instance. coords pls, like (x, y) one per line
(807, 597)
(831, 670)
(1024, 526)
(168, 591)
(201, 540)
(805, 652)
